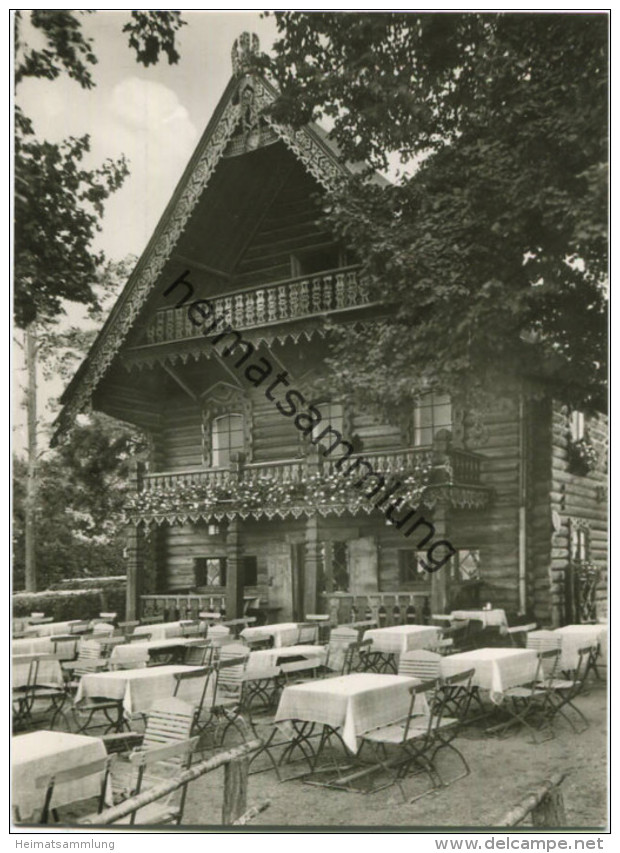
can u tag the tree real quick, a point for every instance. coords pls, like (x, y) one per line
(493, 245)
(58, 203)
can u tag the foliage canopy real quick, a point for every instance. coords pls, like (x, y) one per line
(493, 246)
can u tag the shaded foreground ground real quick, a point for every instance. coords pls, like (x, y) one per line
(503, 771)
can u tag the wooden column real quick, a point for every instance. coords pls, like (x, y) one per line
(235, 790)
(439, 579)
(234, 571)
(135, 552)
(312, 565)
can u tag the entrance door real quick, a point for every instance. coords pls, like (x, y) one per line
(298, 558)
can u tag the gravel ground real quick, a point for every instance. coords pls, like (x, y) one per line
(503, 771)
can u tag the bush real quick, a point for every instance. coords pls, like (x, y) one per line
(63, 605)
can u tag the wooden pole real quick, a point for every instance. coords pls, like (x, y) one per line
(30, 504)
(545, 804)
(132, 804)
(252, 812)
(235, 790)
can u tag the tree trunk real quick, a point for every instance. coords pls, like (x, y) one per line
(31, 477)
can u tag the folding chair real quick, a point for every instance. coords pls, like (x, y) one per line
(228, 693)
(413, 741)
(308, 633)
(340, 654)
(36, 690)
(200, 653)
(563, 691)
(517, 634)
(188, 685)
(99, 767)
(528, 700)
(158, 764)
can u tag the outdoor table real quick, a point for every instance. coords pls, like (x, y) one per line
(349, 705)
(489, 618)
(48, 673)
(42, 753)
(402, 638)
(161, 630)
(268, 663)
(141, 651)
(575, 637)
(48, 629)
(138, 688)
(64, 650)
(496, 669)
(283, 633)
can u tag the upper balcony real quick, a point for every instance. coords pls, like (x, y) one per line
(328, 292)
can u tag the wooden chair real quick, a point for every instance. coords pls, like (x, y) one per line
(201, 653)
(127, 628)
(190, 683)
(340, 656)
(154, 765)
(528, 700)
(307, 633)
(563, 691)
(168, 720)
(191, 628)
(100, 767)
(420, 663)
(48, 698)
(517, 634)
(89, 659)
(152, 620)
(139, 638)
(228, 693)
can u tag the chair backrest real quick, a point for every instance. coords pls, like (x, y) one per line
(419, 663)
(152, 620)
(455, 702)
(128, 627)
(171, 758)
(103, 628)
(343, 634)
(139, 638)
(88, 650)
(79, 626)
(168, 720)
(548, 661)
(219, 635)
(199, 654)
(340, 654)
(100, 766)
(307, 632)
(230, 669)
(543, 641)
(430, 720)
(587, 656)
(190, 628)
(192, 686)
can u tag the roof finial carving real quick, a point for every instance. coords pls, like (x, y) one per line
(244, 50)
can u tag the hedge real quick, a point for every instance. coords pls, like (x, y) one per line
(63, 605)
(90, 583)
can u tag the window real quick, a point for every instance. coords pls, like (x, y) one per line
(468, 568)
(332, 415)
(210, 571)
(579, 543)
(250, 571)
(432, 413)
(577, 425)
(315, 260)
(410, 570)
(227, 437)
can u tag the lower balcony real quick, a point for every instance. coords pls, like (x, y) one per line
(292, 488)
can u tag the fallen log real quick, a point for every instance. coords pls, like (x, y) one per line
(545, 803)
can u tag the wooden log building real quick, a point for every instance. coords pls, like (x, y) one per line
(237, 507)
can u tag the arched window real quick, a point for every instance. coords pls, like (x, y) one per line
(432, 413)
(227, 436)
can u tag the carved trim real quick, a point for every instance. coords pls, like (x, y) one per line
(315, 156)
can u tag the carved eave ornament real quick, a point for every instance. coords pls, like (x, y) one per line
(317, 155)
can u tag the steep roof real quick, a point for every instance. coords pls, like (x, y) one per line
(241, 106)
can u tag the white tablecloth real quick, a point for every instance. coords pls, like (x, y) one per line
(267, 663)
(496, 669)
(43, 753)
(141, 650)
(160, 630)
(48, 629)
(575, 637)
(402, 638)
(283, 633)
(489, 618)
(49, 671)
(65, 650)
(138, 688)
(352, 703)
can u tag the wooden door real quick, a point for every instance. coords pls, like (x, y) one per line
(363, 566)
(280, 580)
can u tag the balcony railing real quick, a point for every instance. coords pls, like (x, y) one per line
(265, 304)
(465, 470)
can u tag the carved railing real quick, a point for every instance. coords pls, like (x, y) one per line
(265, 304)
(465, 469)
